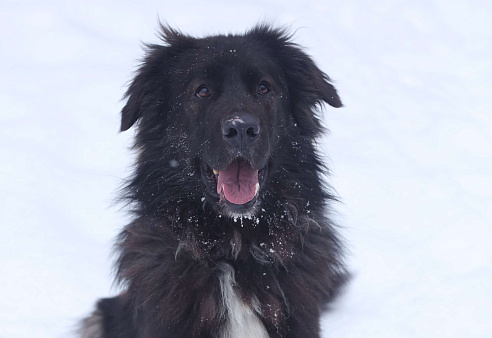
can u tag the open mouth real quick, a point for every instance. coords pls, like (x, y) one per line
(237, 186)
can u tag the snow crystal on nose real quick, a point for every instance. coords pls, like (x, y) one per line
(236, 119)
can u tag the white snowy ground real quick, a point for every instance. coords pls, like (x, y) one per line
(411, 153)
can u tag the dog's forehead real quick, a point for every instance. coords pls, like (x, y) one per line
(225, 43)
(224, 49)
(232, 54)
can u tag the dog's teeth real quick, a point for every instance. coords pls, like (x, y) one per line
(257, 188)
(216, 172)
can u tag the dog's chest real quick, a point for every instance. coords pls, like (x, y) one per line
(242, 319)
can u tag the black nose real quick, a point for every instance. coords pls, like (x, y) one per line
(241, 130)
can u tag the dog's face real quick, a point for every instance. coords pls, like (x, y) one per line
(227, 103)
(236, 107)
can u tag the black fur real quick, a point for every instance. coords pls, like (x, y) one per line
(285, 253)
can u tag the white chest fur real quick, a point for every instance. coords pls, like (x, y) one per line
(242, 319)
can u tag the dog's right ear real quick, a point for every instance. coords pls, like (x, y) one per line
(140, 92)
(150, 79)
(134, 106)
(152, 76)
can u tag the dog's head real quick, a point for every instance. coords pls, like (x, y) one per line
(225, 111)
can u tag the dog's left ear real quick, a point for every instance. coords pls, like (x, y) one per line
(308, 85)
(315, 85)
(327, 91)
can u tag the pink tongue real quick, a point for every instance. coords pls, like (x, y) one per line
(239, 181)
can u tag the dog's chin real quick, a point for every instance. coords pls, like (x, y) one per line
(247, 209)
(219, 200)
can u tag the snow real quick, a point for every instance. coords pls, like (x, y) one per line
(411, 153)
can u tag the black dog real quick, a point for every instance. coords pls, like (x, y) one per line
(230, 236)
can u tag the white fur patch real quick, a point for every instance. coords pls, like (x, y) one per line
(92, 327)
(242, 320)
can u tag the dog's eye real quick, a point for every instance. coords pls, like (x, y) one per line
(263, 88)
(202, 91)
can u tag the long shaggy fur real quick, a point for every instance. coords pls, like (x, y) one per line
(188, 267)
